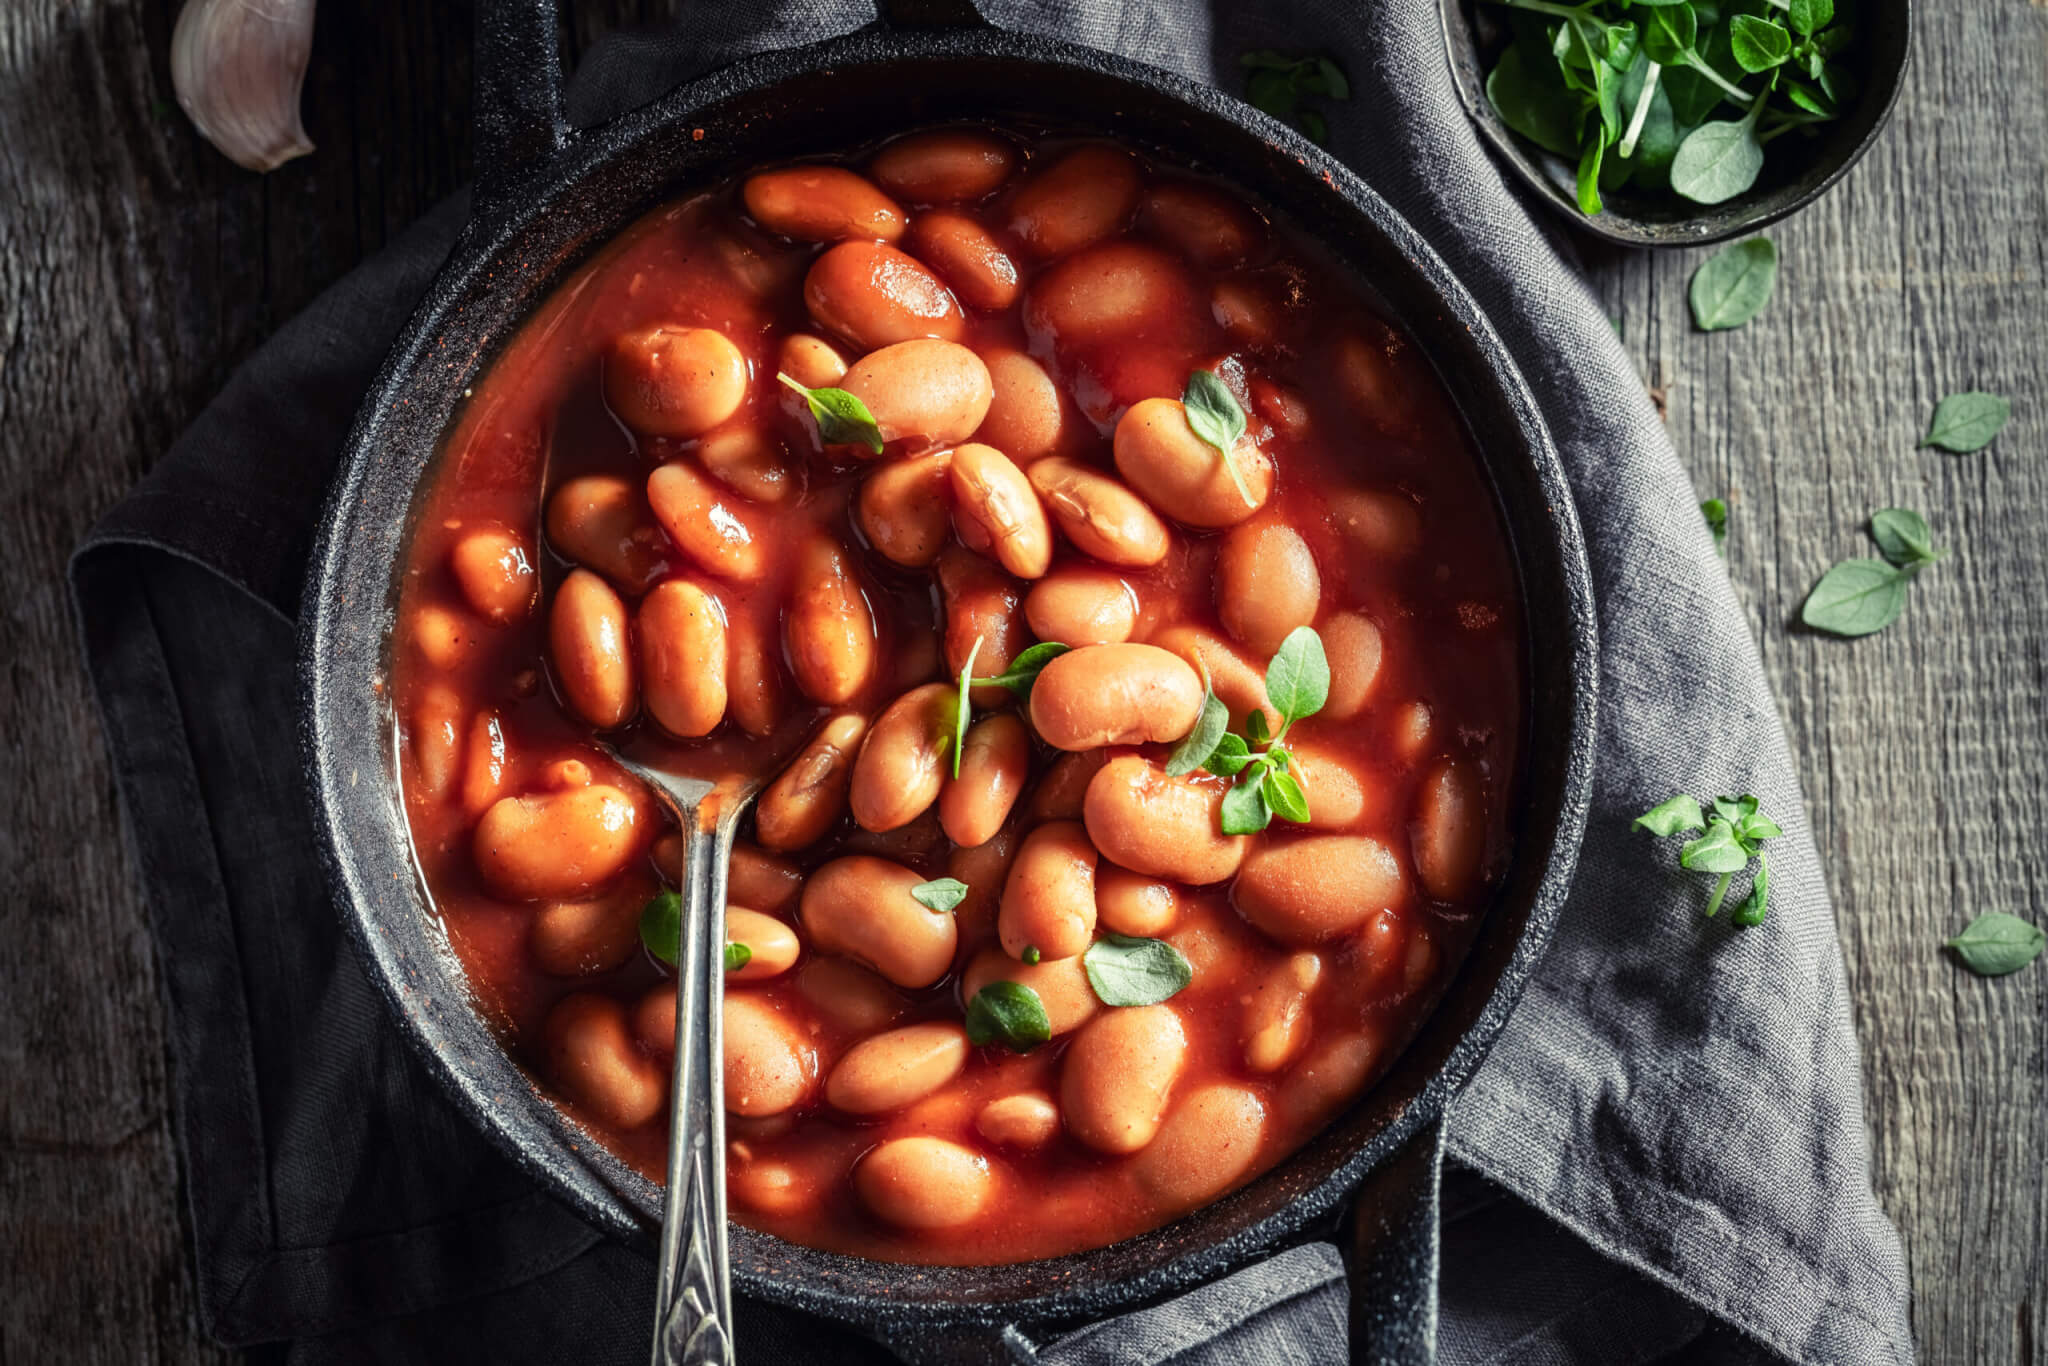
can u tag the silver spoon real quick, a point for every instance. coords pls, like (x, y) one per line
(693, 1293)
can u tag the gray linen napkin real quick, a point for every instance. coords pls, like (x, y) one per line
(1675, 1108)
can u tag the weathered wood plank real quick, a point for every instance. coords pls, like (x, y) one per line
(136, 267)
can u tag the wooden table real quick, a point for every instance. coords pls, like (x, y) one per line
(137, 267)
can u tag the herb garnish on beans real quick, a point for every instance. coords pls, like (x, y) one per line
(1038, 522)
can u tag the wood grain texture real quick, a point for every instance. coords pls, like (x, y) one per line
(137, 267)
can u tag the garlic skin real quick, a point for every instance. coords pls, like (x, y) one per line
(237, 66)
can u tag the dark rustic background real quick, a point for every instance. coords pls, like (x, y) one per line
(137, 267)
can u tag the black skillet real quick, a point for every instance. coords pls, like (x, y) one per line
(546, 196)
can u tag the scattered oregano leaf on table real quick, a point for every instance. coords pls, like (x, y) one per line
(1733, 285)
(1967, 421)
(1715, 513)
(1729, 835)
(1996, 943)
(1861, 596)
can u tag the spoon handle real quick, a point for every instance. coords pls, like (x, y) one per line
(693, 1298)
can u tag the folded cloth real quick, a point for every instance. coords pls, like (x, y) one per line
(1665, 1148)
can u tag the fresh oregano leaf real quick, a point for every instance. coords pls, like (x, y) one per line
(737, 956)
(1255, 726)
(1757, 903)
(1717, 851)
(1527, 91)
(1210, 727)
(1024, 669)
(843, 420)
(1031, 956)
(1283, 794)
(1903, 538)
(1588, 184)
(963, 710)
(1733, 285)
(1669, 34)
(1997, 943)
(940, 894)
(1715, 511)
(1230, 756)
(1673, 816)
(1856, 598)
(1127, 971)
(1968, 421)
(1718, 161)
(1811, 16)
(1214, 415)
(661, 925)
(1735, 810)
(1298, 678)
(1759, 45)
(1008, 1013)
(1244, 810)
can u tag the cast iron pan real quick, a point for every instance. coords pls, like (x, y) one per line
(546, 196)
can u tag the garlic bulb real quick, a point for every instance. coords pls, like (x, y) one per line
(237, 66)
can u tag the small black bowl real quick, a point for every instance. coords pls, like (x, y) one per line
(1664, 219)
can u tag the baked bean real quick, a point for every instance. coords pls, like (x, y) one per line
(705, 523)
(1115, 695)
(898, 1068)
(773, 944)
(997, 512)
(674, 381)
(809, 796)
(848, 996)
(1313, 888)
(861, 906)
(483, 770)
(1182, 475)
(1382, 953)
(905, 508)
(771, 1187)
(993, 764)
(1061, 985)
(984, 868)
(756, 697)
(874, 295)
(1027, 414)
(681, 631)
(923, 1182)
(495, 574)
(443, 638)
(901, 764)
(770, 1067)
(601, 522)
(1133, 904)
(1049, 898)
(1266, 584)
(811, 361)
(932, 393)
(754, 878)
(966, 256)
(1240, 683)
(1276, 1022)
(1099, 515)
(982, 604)
(1211, 229)
(1286, 410)
(592, 1057)
(1116, 289)
(654, 1020)
(1379, 522)
(1448, 832)
(1161, 826)
(1076, 605)
(556, 844)
(1117, 1075)
(1060, 794)
(1351, 643)
(587, 643)
(750, 462)
(1420, 965)
(829, 627)
(821, 204)
(1243, 307)
(1205, 1146)
(435, 738)
(1028, 1119)
(1409, 733)
(1336, 796)
(583, 938)
(1376, 373)
(1082, 197)
(944, 166)
(1332, 1073)
(918, 841)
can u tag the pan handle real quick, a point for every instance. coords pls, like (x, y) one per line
(1392, 1251)
(520, 123)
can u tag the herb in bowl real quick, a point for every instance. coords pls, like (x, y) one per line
(1679, 97)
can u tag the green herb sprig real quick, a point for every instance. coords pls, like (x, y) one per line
(843, 420)
(1627, 90)
(1297, 684)
(1727, 841)
(1278, 84)
(1861, 596)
